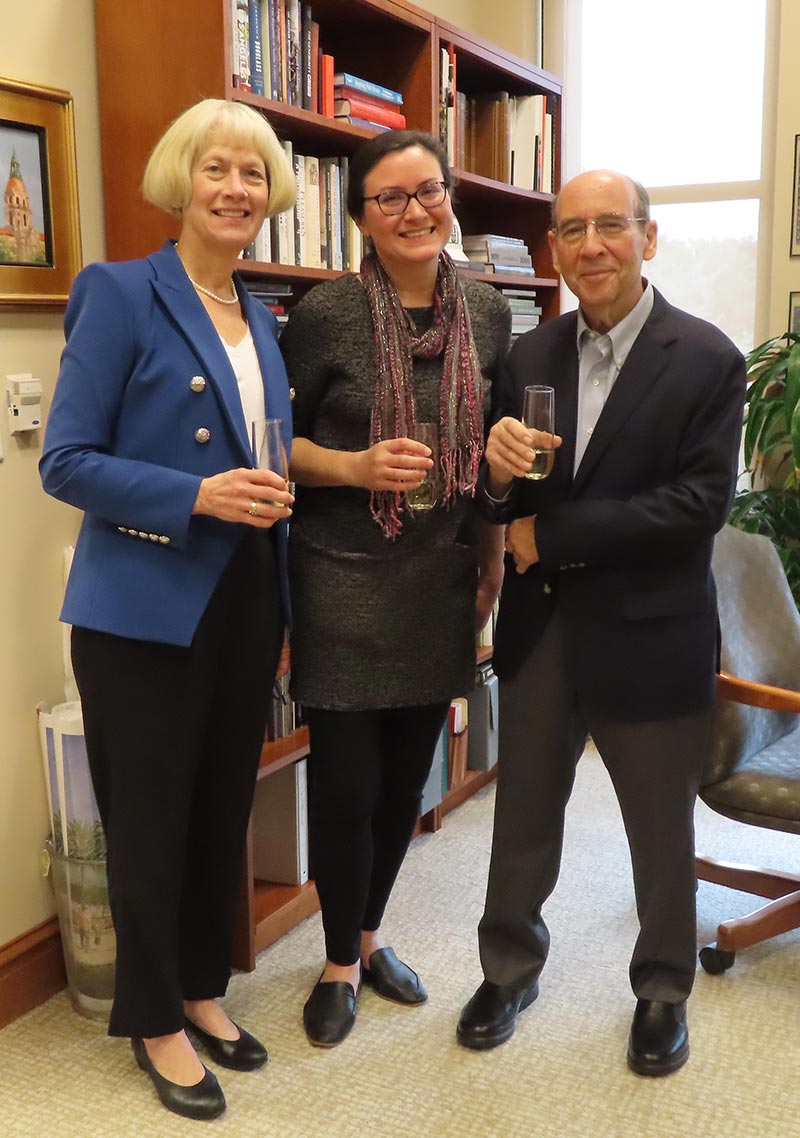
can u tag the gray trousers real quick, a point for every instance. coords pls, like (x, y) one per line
(655, 767)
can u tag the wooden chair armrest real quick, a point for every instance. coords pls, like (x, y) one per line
(757, 695)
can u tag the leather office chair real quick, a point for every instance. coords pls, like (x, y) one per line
(753, 772)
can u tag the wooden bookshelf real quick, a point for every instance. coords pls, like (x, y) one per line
(155, 58)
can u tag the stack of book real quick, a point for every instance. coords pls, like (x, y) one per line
(363, 103)
(525, 312)
(499, 253)
(274, 295)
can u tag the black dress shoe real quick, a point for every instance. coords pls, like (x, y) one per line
(392, 979)
(330, 1012)
(659, 1040)
(491, 1015)
(201, 1101)
(242, 1054)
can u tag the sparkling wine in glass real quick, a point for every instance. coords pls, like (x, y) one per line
(538, 412)
(424, 496)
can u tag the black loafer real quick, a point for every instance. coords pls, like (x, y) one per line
(393, 979)
(202, 1101)
(659, 1039)
(491, 1015)
(330, 1012)
(242, 1054)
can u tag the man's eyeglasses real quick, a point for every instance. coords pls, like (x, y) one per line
(608, 227)
(394, 202)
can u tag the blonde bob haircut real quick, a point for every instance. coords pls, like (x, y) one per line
(167, 181)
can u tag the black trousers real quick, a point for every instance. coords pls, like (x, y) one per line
(174, 737)
(366, 774)
(655, 767)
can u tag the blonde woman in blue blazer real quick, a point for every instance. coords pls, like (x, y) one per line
(177, 594)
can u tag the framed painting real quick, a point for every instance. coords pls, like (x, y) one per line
(794, 312)
(794, 250)
(40, 245)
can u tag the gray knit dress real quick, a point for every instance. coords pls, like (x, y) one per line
(378, 622)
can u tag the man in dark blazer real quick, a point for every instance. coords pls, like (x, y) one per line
(608, 621)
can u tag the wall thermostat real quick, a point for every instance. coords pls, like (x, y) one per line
(24, 402)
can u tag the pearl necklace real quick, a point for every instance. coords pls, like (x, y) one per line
(213, 295)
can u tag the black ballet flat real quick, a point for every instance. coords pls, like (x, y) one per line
(330, 1012)
(242, 1054)
(393, 979)
(202, 1101)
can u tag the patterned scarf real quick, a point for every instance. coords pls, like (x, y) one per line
(394, 412)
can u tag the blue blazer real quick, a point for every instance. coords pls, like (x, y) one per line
(145, 407)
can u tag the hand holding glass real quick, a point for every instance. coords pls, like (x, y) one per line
(538, 413)
(269, 450)
(425, 496)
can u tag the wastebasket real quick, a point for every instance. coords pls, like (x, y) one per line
(75, 860)
(87, 932)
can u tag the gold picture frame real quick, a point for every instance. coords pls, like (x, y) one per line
(794, 313)
(40, 243)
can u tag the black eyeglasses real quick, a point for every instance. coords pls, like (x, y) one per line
(607, 226)
(395, 202)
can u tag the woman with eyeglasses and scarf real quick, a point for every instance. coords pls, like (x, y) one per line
(387, 596)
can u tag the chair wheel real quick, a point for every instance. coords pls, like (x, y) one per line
(715, 960)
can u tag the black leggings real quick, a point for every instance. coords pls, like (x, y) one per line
(366, 771)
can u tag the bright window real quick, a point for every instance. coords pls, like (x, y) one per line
(671, 92)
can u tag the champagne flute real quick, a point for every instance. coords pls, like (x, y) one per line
(425, 496)
(538, 412)
(269, 450)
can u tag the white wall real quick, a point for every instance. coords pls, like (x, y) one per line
(50, 44)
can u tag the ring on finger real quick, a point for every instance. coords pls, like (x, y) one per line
(252, 509)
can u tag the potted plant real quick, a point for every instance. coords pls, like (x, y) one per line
(772, 451)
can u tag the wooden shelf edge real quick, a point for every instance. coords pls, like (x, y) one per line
(457, 795)
(279, 909)
(279, 753)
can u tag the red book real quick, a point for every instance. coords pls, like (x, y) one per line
(341, 91)
(326, 85)
(369, 110)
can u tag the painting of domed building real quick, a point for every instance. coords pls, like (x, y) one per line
(22, 237)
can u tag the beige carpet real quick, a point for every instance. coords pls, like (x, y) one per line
(401, 1074)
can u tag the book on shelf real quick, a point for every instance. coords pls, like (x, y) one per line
(448, 127)
(372, 101)
(527, 134)
(326, 83)
(271, 31)
(313, 245)
(263, 243)
(280, 826)
(517, 270)
(522, 293)
(294, 87)
(307, 57)
(368, 124)
(240, 33)
(387, 114)
(523, 307)
(254, 11)
(344, 218)
(300, 250)
(286, 219)
(356, 83)
(313, 64)
(491, 141)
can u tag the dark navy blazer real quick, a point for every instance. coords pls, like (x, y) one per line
(625, 545)
(146, 406)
